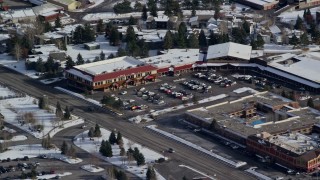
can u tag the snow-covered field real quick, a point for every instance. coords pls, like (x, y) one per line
(92, 168)
(83, 141)
(74, 50)
(49, 176)
(244, 89)
(16, 138)
(14, 110)
(6, 92)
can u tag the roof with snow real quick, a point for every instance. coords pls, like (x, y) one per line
(162, 18)
(174, 57)
(274, 29)
(110, 65)
(305, 66)
(229, 49)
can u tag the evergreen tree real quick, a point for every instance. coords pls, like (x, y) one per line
(49, 65)
(108, 152)
(310, 103)
(304, 40)
(151, 174)
(119, 138)
(67, 113)
(239, 35)
(132, 21)
(97, 131)
(72, 151)
(88, 34)
(131, 35)
(246, 27)
(122, 152)
(294, 40)
(111, 56)
(64, 148)
(43, 102)
(47, 27)
(144, 15)
(167, 42)
(121, 176)
(299, 24)
(91, 132)
(121, 52)
(102, 55)
(216, 14)
(69, 63)
(79, 59)
(122, 7)
(114, 37)
(112, 138)
(193, 41)
(135, 153)
(57, 23)
(152, 6)
(253, 44)
(103, 148)
(140, 159)
(182, 35)
(138, 6)
(78, 35)
(202, 40)
(100, 26)
(40, 65)
(260, 41)
(59, 112)
(46, 142)
(213, 39)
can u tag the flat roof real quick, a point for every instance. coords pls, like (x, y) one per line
(174, 57)
(305, 65)
(109, 65)
(229, 49)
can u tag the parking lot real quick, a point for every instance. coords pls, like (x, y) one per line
(173, 91)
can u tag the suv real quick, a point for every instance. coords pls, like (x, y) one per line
(171, 150)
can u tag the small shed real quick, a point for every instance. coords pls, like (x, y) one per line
(91, 46)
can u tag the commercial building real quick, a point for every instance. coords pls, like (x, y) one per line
(228, 51)
(268, 125)
(174, 61)
(259, 4)
(110, 74)
(67, 4)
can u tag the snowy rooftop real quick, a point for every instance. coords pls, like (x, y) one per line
(162, 18)
(305, 66)
(274, 29)
(174, 57)
(295, 142)
(262, 2)
(46, 49)
(229, 49)
(109, 65)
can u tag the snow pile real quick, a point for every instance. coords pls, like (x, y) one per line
(92, 168)
(6, 93)
(67, 159)
(244, 89)
(199, 148)
(79, 96)
(15, 138)
(51, 80)
(257, 174)
(92, 146)
(9, 130)
(52, 176)
(213, 98)
(14, 110)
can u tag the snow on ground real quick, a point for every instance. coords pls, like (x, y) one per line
(51, 80)
(257, 174)
(9, 130)
(6, 92)
(74, 50)
(244, 89)
(199, 172)
(83, 141)
(199, 148)
(15, 138)
(14, 109)
(291, 16)
(50, 176)
(79, 96)
(92, 168)
(34, 150)
(212, 98)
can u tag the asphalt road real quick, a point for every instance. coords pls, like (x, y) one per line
(186, 155)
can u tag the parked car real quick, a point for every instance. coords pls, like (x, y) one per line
(170, 150)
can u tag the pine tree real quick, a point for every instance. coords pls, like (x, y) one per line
(88, 34)
(135, 153)
(100, 26)
(122, 152)
(108, 149)
(121, 176)
(131, 35)
(91, 132)
(260, 41)
(202, 40)
(151, 174)
(79, 59)
(299, 24)
(47, 27)
(112, 138)
(103, 148)
(140, 159)
(43, 102)
(69, 63)
(304, 40)
(193, 41)
(119, 138)
(67, 113)
(57, 22)
(152, 6)
(144, 15)
(132, 21)
(294, 40)
(97, 131)
(213, 39)
(182, 35)
(168, 42)
(114, 37)
(64, 148)
(102, 55)
(310, 103)
(246, 26)
(121, 52)
(72, 151)
(59, 112)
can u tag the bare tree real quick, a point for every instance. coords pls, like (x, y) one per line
(17, 51)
